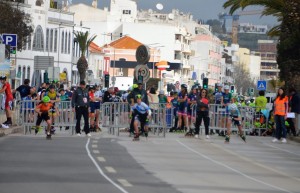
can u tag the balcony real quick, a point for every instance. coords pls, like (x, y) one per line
(186, 49)
(177, 46)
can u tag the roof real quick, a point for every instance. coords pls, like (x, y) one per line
(94, 48)
(125, 42)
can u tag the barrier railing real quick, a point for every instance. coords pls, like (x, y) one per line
(115, 115)
(27, 117)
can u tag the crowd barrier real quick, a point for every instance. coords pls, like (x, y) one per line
(115, 115)
(27, 117)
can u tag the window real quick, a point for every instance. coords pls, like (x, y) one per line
(66, 43)
(29, 42)
(47, 39)
(126, 12)
(38, 40)
(51, 40)
(23, 73)
(28, 72)
(69, 43)
(55, 40)
(62, 41)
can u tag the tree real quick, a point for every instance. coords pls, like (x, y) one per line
(242, 79)
(15, 21)
(216, 26)
(288, 31)
(84, 43)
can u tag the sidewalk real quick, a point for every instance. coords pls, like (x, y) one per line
(12, 129)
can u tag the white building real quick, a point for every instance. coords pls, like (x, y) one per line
(170, 33)
(52, 36)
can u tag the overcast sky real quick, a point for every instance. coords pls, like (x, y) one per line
(200, 9)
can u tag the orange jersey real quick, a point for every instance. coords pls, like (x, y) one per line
(281, 106)
(44, 107)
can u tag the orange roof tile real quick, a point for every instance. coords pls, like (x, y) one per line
(125, 42)
(94, 48)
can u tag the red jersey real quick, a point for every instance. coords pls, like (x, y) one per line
(92, 96)
(8, 93)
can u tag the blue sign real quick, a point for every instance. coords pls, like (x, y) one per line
(10, 39)
(261, 85)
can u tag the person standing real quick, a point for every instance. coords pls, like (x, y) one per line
(261, 101)
(80, 104)
(218, 94)
(202, 109)
(280, 113)
(8, 100)
(24, 89)
(294, 107)
(182, 107)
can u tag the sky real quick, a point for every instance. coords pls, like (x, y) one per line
(200, 9)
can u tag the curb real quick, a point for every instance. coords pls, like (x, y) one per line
(14, 129)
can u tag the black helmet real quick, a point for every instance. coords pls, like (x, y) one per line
(51, 86)
(184, 86)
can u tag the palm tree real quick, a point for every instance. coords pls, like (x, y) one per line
(84, 42)
(287, 13)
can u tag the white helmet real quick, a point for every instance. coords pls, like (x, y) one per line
(226, 87)
(233, 107)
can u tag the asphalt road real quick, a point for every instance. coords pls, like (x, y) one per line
(110, 164)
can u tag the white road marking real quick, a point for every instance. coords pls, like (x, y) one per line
(110, 169)
(232, 169)
(94, 146)
(101, 159)
(283, 149)
(96, 151)
(95, 141)
(125, 183)
(101, 171)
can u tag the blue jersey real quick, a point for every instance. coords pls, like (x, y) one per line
(191, 97)
(141, 108)
(175, 103)
(226, 98)
(218, 97)
(182, 105)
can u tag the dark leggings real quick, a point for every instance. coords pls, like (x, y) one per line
(202, 115)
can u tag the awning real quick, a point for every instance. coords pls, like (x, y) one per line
(130, 64)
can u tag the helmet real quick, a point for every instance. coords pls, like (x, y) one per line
(138, 96)
(46, 99)
(135, 86)
(51, 86)
(226, 87)
(183, 86)
(232, 107)
(195, 87)
(219, 84)
(129, 88)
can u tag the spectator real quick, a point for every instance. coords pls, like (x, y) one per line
(8, 101)
(24, 89)
(80, 104)
(280, 113)
(261, 101)
(202, 113)
(294, 106)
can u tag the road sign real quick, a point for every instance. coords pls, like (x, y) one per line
(261, 85)
(10, 39)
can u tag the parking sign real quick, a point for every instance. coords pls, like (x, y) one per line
(10, 39)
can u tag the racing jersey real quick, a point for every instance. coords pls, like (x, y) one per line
(140, 108)
(218, 97)
(182, 105)
(192, 97)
